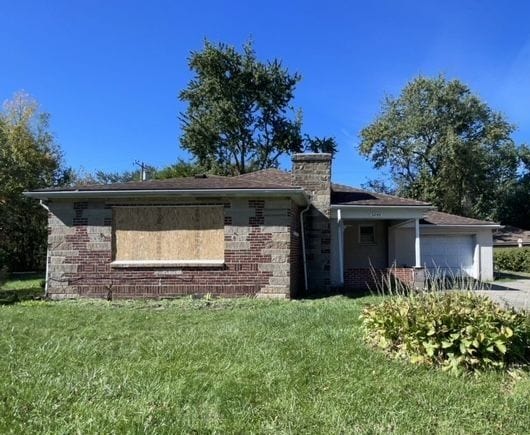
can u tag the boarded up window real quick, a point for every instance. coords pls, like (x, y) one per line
(168, 233)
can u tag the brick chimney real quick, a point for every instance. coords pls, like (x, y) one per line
(312, 172)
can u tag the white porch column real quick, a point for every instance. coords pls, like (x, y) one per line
(340, 239)
(417, 245)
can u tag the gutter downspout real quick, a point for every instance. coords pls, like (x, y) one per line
(47, 254)
(302, 231)
(340, 240)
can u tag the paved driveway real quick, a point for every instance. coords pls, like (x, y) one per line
(514, 293)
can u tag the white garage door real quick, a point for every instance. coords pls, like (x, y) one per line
(451, 253)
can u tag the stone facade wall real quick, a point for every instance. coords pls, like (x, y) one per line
(363, 278)
(313, 173)
(258, 254)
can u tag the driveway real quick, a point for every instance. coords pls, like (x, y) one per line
(513, 293)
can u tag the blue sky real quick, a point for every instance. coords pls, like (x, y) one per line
(109, 72)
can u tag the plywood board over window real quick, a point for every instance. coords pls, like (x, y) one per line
(168, 233)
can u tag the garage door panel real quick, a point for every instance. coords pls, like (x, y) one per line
(448, 252)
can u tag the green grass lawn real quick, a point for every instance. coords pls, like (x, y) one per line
(20, 287)
(237, 366)
(23, 281)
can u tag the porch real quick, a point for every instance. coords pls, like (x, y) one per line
(368, 240)
(366, 247)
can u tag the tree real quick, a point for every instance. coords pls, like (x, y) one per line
(179, 169)
(320, 144)
(444, 145)
(379, 186)
(101, 177)
(29, 159)
(239, 116)
(515, 206)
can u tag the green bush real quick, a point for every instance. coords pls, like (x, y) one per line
(457, 331)
(514, 259)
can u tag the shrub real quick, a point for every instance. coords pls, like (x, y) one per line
(514, 259)
(457, 331)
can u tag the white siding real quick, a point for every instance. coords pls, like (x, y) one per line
(402, 243)
(485, 243)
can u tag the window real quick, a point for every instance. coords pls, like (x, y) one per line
(168, 234)
(366, 234)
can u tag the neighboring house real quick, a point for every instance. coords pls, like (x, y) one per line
(509, 236)
(267, 233)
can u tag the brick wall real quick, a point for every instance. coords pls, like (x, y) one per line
(363, 278)
(258, 255)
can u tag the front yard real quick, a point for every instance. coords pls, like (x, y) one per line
(229, 366)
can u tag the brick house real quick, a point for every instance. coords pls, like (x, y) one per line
(269, 233)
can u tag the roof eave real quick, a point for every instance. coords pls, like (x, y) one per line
(297, 195)
(461, 225)
(415, 206)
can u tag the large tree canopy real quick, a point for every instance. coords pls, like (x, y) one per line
(239, 116)
(444, 145)
(515, 206)
(29, 159)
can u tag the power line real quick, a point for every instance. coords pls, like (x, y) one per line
(143, 167)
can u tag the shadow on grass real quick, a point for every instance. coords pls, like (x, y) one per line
(501, 287)
(26, 276)
(321, 294)
(511, 276)
(8, 297)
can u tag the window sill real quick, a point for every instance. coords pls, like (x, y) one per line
(124, 264)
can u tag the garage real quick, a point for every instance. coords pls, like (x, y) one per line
(449, 253)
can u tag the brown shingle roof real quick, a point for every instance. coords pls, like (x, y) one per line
(209, 182)
(347, 195)
(276, 179)
(440, 218)
(271, 175)
(509, 236)
(340, 194)
(265, 179)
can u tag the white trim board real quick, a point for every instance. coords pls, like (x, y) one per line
(380, 212)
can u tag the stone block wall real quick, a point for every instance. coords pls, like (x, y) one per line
(258, 254)
(312, 172)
